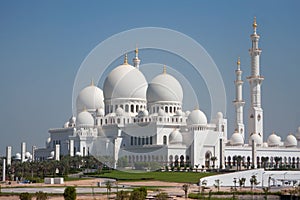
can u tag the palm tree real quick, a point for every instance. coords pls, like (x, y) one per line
(277, 160)
(213, 159)
(238, 160)
(242, 182)
(185, 188)
(108, 187)
(253, 181)
(217, 184)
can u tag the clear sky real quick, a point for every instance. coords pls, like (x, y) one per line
(43, 43)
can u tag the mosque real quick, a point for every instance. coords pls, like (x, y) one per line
(144, 122)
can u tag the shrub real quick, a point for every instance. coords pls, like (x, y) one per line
(70, 193)
(122, 195)
(138, 194)
(162, 196)
(41, 195)
(25, 196)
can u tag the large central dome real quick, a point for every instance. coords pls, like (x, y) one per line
(125, 82)
(164, 87)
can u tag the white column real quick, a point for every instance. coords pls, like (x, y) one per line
(4, 170)
(33, 152)
(57, 152)
(23, 151)
(255, 112)
(8, 155)
(254, 160)
(71, 148)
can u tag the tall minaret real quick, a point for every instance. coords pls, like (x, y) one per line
(255, 81)
(136, 60)
(239, 102)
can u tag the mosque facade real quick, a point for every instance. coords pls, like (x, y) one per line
(144, 122)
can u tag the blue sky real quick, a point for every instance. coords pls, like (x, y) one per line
(42, 45)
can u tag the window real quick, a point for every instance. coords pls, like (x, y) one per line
(131, 140)
(165, 140)
(151, 140)
(132, 108)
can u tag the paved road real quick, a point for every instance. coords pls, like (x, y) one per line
(57, 190)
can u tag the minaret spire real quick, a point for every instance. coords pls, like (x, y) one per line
(255, 81)
(239, 102)
(136, 60)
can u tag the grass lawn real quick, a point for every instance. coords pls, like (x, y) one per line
(179, 177)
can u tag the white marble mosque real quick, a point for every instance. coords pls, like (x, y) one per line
(144, 122)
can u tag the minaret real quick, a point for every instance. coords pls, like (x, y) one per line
(255, 81)
(239, 102)
(136, 60)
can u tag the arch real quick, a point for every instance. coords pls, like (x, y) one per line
(126, 108)
(132, 108)
(208, 156)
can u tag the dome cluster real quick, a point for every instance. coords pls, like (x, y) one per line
(126, 93)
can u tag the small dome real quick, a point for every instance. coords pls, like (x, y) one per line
(257, 139)
(164, 87)
(273, 140)
(179, 113)
(290, 141)
(27, 154)
(161, 112)
(48, 140)
(125, 81)
(18, 156)
(52, 154)
(120, 111)
(78, 153)
(100, 112)
(85, 118)
(219, 115)
(143, 113)
(236, 139)
(175, 137)
(265, 144)
(66, 125)
(187, 113)
(90, 98)
(197, 117)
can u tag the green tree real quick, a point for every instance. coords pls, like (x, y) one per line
(70, 193)
(25, 196)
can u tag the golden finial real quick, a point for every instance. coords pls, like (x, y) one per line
(92, 82)
(238, 61)
(165, 70)
(126, 59)
(84, 109)
(136, 51)
(254, 23)
(196, 107)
